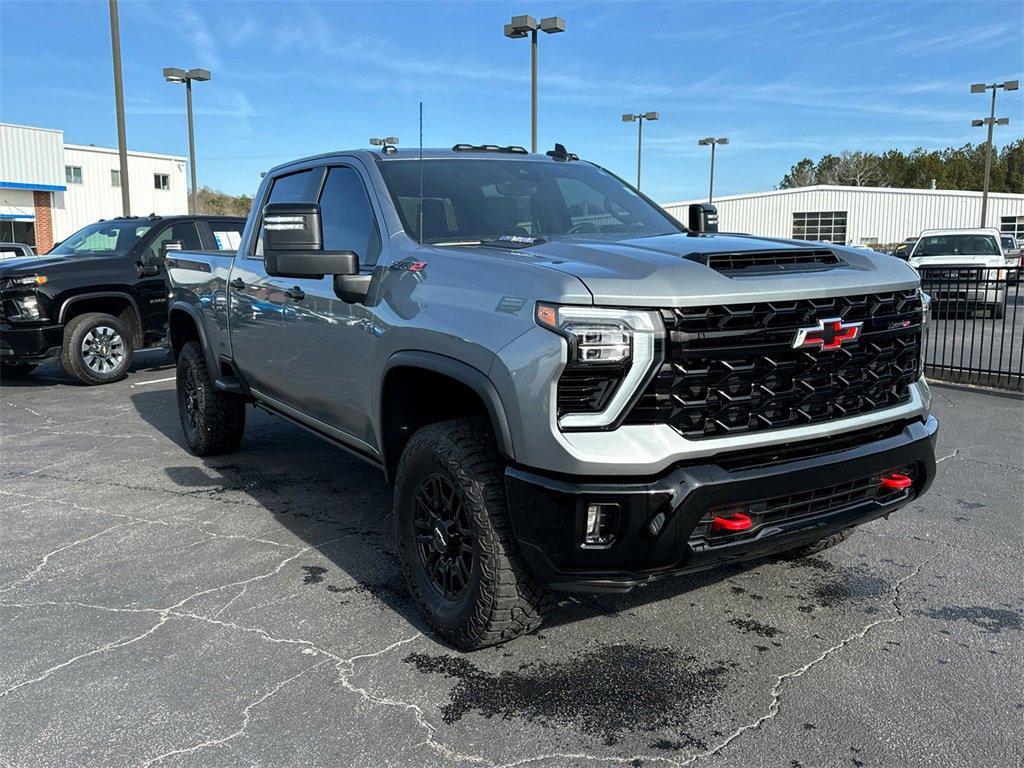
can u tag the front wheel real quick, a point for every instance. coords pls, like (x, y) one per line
(97, 348)
(455, 541)
(213, 421)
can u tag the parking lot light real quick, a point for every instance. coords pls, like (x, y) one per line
(639, 119)
(527, 26)
(712, 141)
(991, 121)
(178, 76)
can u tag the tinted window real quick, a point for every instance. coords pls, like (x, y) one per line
(291, 188)
(185, 231)
(227, 235)
(470, 199)
(346, 216)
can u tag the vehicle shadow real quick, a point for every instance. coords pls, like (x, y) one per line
(51, 374)
(322, 494)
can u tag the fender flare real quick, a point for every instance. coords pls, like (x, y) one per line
(472, 377)
(197, 320)
(62, 313)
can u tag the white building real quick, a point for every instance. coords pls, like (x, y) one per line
(858, 215)
(49, 189)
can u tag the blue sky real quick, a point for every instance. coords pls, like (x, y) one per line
(782, 80)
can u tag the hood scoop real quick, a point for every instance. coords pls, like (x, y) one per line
(769, 262)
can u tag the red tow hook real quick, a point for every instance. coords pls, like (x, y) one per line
(896, 481)
(734, 522)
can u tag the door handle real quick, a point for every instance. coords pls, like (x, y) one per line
(295, 293)
(238, 284)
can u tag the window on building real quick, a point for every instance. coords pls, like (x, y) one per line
(348, 221)
(1012, 225)
(115, 178)
(73, 174)
(161, 181)
(824, 226)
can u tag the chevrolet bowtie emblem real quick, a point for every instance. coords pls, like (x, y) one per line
(827, 334)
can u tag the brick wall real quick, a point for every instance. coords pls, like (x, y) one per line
(44, 221)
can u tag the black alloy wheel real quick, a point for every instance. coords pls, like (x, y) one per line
(444, 539)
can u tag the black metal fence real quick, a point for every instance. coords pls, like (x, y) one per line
(977, 326)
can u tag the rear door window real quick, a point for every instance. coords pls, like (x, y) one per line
(296, 187)
(227, 235)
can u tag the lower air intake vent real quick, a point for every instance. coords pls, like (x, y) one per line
(770, 261)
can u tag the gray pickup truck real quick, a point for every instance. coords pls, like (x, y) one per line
(568, 388)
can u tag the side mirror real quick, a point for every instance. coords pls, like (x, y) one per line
(703, 218)
(168, 246)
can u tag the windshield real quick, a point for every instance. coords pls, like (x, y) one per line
(476, 199)
(957, 245)
(106, 238)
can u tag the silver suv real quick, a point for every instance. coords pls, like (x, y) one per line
(568, 388)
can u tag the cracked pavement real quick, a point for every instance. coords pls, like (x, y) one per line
(161, 610)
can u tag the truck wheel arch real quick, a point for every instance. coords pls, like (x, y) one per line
(104, 301)
(436, 368)
(185, 324)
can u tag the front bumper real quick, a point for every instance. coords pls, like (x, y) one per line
(29, 344)
(658, 516)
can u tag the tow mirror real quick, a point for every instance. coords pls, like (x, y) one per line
(168, 246)
(703, 218)
(293, 247)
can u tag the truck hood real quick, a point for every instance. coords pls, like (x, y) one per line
(666, 270)
(30, 265)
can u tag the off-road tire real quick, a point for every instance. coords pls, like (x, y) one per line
(818, 546)
(16, 370)
(502, 598)
(72, 359)
(219, 417)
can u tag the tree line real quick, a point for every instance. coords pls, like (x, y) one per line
(215, 202)
(952, 168)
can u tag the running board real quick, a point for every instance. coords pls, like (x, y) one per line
(229, 384)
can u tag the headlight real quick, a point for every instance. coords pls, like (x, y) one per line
(28, 308)
(27, 280)
(611, 354)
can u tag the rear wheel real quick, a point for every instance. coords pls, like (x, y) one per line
(818, 546)
(97, 348)
(460, 559)
(213, 421)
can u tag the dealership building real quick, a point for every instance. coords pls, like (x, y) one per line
(871, 216)
(49, 189)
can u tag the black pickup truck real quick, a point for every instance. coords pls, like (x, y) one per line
(99, 295)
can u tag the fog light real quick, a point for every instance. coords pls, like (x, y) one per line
(601, 524)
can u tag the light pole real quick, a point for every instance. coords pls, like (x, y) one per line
(991, 122)
(712, 141)
(122, 142)
(176, 75)
(639, 119)
(523, 26)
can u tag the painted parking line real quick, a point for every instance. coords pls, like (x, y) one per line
(153, 381)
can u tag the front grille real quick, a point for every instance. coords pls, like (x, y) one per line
(821, 501)
(732, 369)
(764, 260)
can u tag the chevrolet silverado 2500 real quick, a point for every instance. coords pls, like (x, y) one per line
(568, 389)
(99, 295)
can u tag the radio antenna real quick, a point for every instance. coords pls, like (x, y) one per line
(421, 175)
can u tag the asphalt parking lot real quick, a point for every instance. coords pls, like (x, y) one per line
(159, 609)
